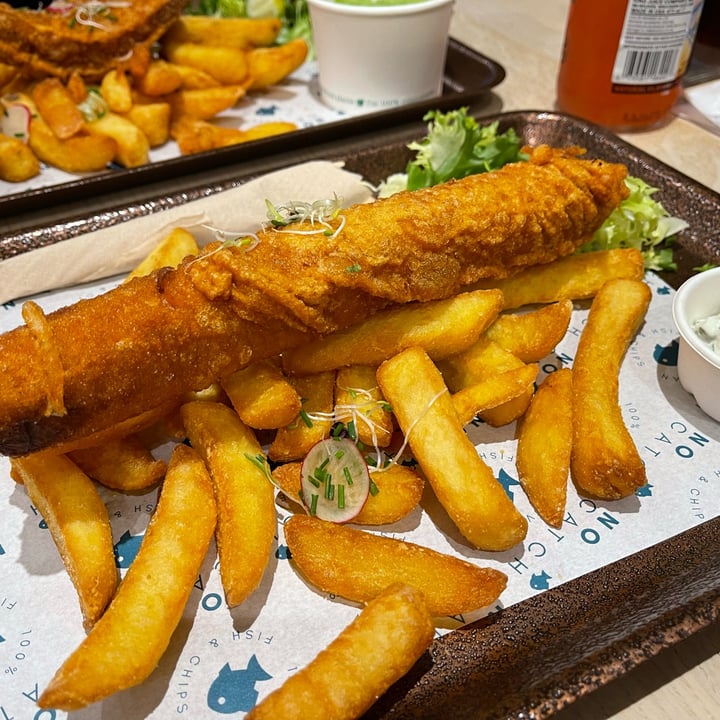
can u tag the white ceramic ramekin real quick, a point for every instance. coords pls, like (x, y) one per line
(698, 365)
(373, 58)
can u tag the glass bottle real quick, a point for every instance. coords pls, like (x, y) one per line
(623, 60)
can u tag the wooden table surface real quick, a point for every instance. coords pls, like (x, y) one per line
(526, 36)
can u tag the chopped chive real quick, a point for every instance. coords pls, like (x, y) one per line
(374, 489)
(348, 476)
(306, 418)
(313, 504)
(339, 454)
(341, 497)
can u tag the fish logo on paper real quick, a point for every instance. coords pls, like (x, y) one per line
(666, 354)
(126, 548)
(234, 690)
(540, 581)
(508, 482)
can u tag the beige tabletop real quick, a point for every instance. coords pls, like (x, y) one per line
(526, 36)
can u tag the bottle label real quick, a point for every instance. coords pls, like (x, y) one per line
(655, 44)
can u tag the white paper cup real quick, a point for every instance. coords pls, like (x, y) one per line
(373, 58)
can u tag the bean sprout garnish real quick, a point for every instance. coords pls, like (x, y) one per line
(89, 13)
(320, 214)
(242, 241)
(348, 416)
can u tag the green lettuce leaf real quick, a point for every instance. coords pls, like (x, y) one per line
(640, 222)
(457, 146)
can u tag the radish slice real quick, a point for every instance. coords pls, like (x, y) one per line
(15, 120)
(335, 480)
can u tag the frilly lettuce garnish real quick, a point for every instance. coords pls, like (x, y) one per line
(457, 146)
(643, 223)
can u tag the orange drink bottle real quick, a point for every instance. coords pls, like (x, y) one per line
(623, 60)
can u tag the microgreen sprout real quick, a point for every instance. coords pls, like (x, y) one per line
(90, 13)
(245, 241)
(323, 216)
(261, 462)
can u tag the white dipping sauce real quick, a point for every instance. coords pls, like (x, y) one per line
(708, 330)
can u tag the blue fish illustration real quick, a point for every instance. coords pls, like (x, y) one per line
(644, 491)
(666, 355)
(234, 690)
(283, 552)
(126, 548)
(508, 482)
(540, 581)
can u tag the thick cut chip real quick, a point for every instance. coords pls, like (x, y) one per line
(532, 335)
(267, 66)
(204, 103)
(605, 462)
(57, 108)
(499, 389)
(575, 277)
(233, 32)
(228, 65)
(544, 436)
(161, 78)
(358, 565)
(153, 119)
(442, 328)
(169, 252)
(360, 405)
(79, 153)
(317, 393)
(262, 396)
(17, 161)
(463, 483)
(116, 91)
(478, 364)
(346, 678)
(133, 147)
(121, 464)
(396, 493)
(126, 644)
(79, 524)
(245, 496)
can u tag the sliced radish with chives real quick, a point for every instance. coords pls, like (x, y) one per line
(15, 120)
(335, 480)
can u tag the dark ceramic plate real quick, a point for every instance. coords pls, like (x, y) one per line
(468, 75)
(533, 658)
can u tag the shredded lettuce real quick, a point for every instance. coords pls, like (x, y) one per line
(643, 223)
(457, 146)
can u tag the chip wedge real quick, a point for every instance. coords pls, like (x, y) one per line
(463, 483)
(126, 644)
(346, 678)
(605, 462)
(442, 328)
(358, 565)
(79, 524)
(544, 435)
(245, 496)
(575, 277)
